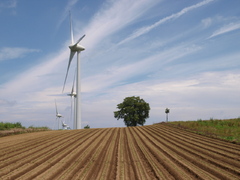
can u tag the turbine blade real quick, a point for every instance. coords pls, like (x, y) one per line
(79, 40)
(71, 30)
(72, 53)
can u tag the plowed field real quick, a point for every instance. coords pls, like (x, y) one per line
(148, 152)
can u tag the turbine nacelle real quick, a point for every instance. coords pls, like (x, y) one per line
(64, 124)
(76, 47)
(59, 115)
(73, 94)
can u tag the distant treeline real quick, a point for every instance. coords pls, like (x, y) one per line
(8, 126)
(7, 129)
(18, 125)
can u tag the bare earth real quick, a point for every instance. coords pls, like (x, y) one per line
(148, 152)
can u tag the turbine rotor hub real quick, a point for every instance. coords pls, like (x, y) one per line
(76, 47)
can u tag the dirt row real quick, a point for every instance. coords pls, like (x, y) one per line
(148, 152)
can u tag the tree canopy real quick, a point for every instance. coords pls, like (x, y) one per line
(167, 111)
(87, 127)
(133, 110)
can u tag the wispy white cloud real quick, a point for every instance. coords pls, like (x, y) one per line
(146, 29)
(189, 98)
(116, 75)
(225, 29)
(65, 13)
(34, 79)
(8, 4)
(15, 52)
(112, 18)
(207, 22)
(4, 102)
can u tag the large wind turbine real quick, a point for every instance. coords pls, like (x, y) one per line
(76, 47)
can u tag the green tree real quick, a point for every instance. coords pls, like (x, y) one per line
(167, 111)
(87, 127)
(133, 110)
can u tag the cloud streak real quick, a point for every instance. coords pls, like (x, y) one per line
(68, 8)
(110, 19)
(146, 29)
(8, 4)
(196, 94)
(119, 75)
(225, 29)
(16, 52)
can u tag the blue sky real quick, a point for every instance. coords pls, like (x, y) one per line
(182, 55)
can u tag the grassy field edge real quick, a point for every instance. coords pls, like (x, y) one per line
(227, 129)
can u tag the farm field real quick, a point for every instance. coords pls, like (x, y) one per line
(148, 152)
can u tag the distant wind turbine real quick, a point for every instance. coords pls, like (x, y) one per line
(65, 126)
(73, 96)
(58, 115)
(75, 47)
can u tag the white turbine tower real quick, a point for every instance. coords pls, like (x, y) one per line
(58, 115)
(75, 47)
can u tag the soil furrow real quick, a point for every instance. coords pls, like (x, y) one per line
(124, 167)
(138, 157)
(35, 160)
(61, 168)
(7, 147)
(120, 157)
(207, 140)
(29, 156)
(7, 142)
(96, 168)
(33, 146)
(111, 172)
(193, 156)
(202, 145)
(106, 159)
(155, 168)
(48, 161)
(197, 169)
(87, 168)
(177, 168)
(129, 166)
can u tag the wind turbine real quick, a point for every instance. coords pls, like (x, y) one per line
(58, 115)
(73, 96)
(76, 47)
(64, 125)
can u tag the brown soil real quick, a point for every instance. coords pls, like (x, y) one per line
(148, 152)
